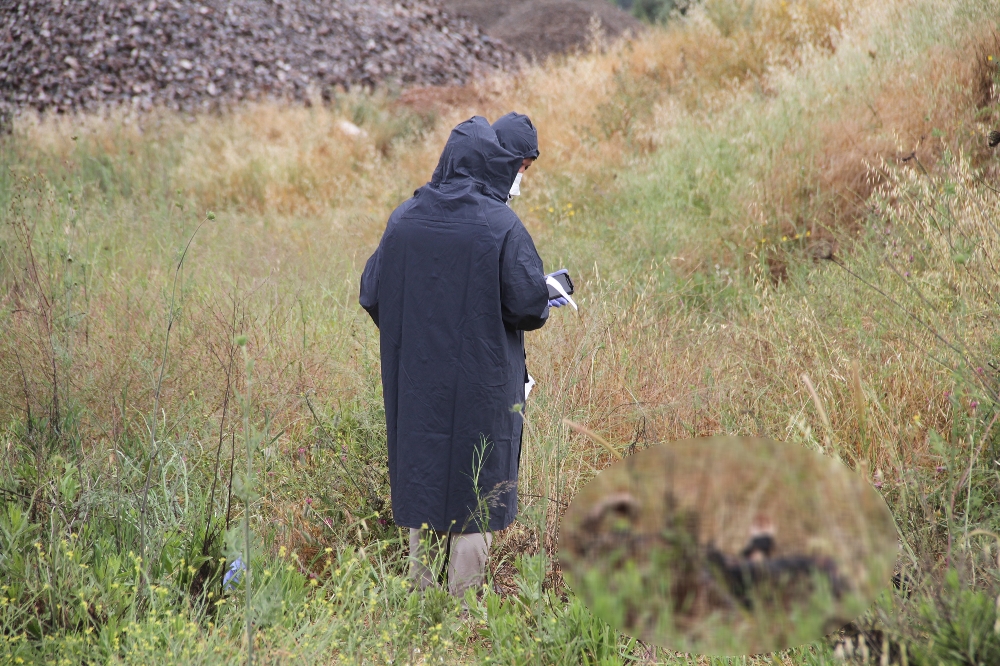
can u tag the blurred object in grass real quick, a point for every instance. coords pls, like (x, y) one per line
(233, 575)
(653, 545)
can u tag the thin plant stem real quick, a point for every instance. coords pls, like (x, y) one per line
(819, 408)
(371, 494)
(154, 451)
(248, 489)
(859, 405)
(222, 424)
(966, 476)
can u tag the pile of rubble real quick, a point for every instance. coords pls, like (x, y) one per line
(189, 55)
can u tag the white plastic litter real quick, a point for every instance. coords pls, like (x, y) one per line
(350, 129)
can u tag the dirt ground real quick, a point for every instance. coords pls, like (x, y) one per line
(539, 28)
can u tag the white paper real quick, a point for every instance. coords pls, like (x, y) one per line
(527, 387)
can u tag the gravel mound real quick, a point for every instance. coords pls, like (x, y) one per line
(541, 28)
(188, 55)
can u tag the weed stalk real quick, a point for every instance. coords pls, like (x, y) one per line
(248, 489)
(159, 385)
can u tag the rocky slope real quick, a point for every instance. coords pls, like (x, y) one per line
(187, 55)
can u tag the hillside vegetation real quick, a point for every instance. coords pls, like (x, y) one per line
(782, 220)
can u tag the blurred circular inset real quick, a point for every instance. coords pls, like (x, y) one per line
(728, 545)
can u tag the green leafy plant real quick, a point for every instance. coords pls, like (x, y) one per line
(959, 624)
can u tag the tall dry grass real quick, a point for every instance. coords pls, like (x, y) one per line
(304, 199)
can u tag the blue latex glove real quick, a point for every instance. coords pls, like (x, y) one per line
(561, 271)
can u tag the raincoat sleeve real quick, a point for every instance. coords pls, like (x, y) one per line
(369, 284)
(524, 297)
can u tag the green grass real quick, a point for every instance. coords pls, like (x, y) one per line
(685, 330)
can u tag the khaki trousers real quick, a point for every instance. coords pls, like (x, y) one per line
(463, 556)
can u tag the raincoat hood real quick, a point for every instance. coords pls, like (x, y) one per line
(474, 155)
(517, 135)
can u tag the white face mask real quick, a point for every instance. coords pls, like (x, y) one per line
(515, 189)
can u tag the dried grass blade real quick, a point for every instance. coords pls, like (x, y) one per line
(819, 407)
(594, 436)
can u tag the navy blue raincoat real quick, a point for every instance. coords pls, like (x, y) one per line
(453, 285)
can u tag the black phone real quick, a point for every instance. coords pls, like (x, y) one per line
(567, 284)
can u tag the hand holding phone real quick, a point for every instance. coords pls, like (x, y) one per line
(560, 287)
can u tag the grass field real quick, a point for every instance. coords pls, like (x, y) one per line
(782, 219)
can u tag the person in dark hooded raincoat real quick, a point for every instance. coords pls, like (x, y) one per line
(453, 285)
